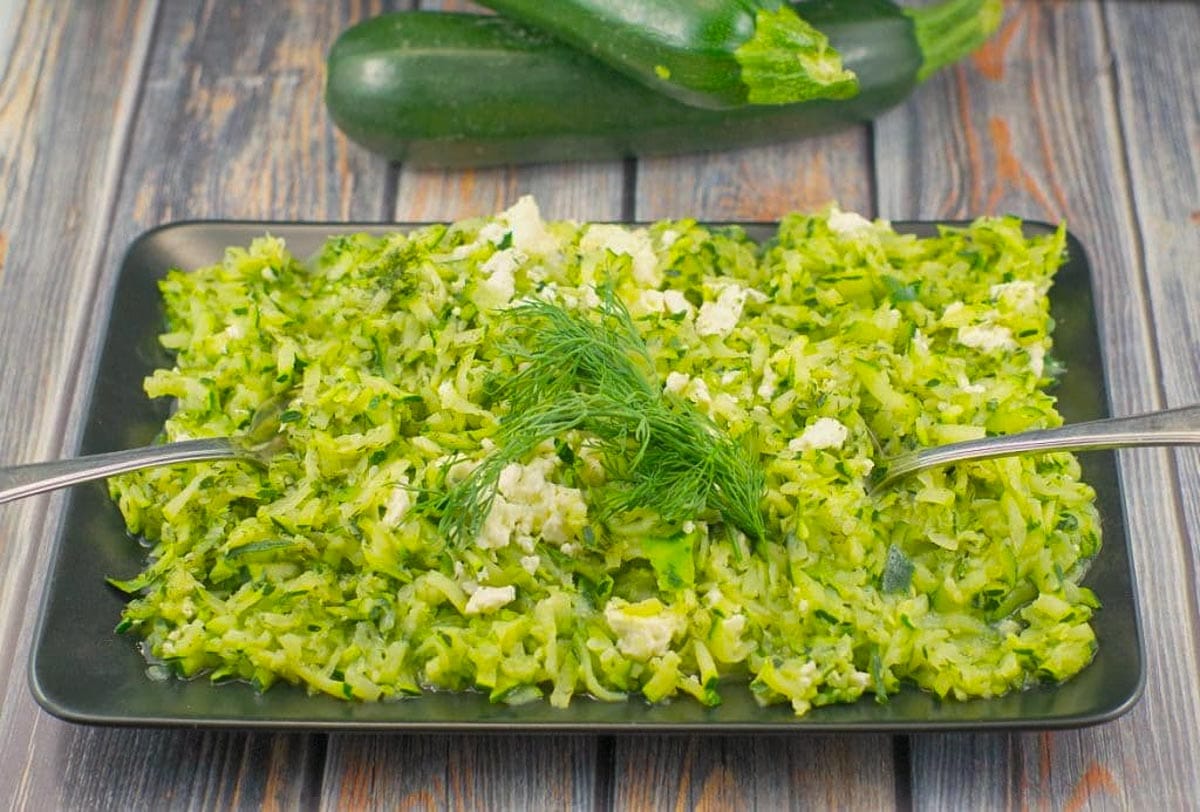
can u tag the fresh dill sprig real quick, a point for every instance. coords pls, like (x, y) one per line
(595, 375)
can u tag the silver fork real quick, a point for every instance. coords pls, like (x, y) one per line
(1164, 428)
(19, 481)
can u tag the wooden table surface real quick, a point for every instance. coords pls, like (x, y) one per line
(118, 116)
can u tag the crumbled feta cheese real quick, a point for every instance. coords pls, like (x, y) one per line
(1037, 360)
(530, 563)
(460, 470)
(766, 389)
(676, 383)
(500, 284)
(921, 342)
(634, 243)
(698, 392)
(720, 317)
(492, 232)
(487, 599)
(527, 505)
(1020, 294)
(643, 629)
(826, 432)
(398, 504)
(668, 237)
(504, 263)
(986, 337)
(848, 223)
(529, 232)
(676, 302)
(955, 312)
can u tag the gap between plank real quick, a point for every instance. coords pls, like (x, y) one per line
(902, 778)
(629, 182)
(391, 192)
(604, 773)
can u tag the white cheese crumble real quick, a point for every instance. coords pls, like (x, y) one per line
(634, 243)
(766, 389)
(643, 629)
(530, 563)
(1037, 360)
(720, 317)
(399, 501)
(529, 232)
(487, 599)
(986, 337)
(1020, 294)
(676, 382)
(527, 505)
(826, 432)
(493, 232)
(676, 302)
(500, 284)
(847, 223)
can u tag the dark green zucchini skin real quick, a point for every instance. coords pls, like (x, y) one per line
(684, 49)
(460, 90)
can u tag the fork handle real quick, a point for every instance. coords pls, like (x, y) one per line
(1169, 427)
(19, 481)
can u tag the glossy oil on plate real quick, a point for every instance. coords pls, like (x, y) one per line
(82, 671)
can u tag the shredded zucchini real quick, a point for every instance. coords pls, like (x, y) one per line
(348, 566)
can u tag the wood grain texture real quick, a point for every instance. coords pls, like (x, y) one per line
(1030, 126)
(759, 183)
(1160, 117)
(66, 100)
(228, 122)
(459, 772)
(765, 772)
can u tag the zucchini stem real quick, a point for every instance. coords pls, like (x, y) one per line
(950, 30)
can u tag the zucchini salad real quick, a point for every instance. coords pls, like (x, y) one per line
(545, 460)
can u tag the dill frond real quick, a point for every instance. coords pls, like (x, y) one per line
(595, 375)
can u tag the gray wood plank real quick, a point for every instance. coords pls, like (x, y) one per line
(759, 183)
(1030, 127)
(460, 772)
(57, 181)
(1160, 118)
(229, 123)
(766, 772)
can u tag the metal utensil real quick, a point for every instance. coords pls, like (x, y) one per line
(1169, 427)
(258, 445)
(18, 481)
(1165, 428)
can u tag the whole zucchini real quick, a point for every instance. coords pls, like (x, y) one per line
(706, 53)
(457, 90)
